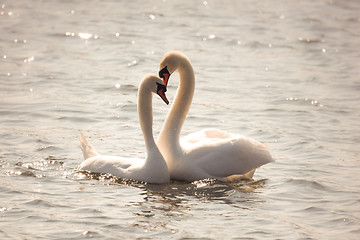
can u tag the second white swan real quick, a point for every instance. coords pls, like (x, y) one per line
(209, 153)
(153, 168)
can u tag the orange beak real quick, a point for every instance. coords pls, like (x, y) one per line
(163, 97)
(166, 78)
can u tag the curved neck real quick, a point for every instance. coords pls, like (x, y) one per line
(154, 165)
(170, 132)
(146, 116)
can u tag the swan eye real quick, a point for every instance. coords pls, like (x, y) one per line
(161, 89)
(165, 75)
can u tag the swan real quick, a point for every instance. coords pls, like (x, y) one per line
(153, 168)
(209, 153)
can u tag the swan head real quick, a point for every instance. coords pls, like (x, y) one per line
(155, 85)
(170, 62)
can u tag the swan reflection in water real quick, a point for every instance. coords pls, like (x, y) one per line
(206, 189)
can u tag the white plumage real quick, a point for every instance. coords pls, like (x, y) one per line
(153, 168)
(209, 153)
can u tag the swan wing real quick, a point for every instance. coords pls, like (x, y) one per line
(227, 156)
(206, 135)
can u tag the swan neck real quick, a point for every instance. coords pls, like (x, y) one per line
(154, 162)
(146, 117)
(181, 105)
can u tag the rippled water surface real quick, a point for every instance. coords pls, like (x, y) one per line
(283, 72)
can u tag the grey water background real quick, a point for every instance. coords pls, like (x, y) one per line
(283, 72)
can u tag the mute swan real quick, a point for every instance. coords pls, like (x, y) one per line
(209, 153)
(153, 168)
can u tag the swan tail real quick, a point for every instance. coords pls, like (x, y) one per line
(88, 150)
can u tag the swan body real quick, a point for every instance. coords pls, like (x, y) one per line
(209, 153)
(153, 168)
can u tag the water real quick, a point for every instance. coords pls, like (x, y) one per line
(283, 72)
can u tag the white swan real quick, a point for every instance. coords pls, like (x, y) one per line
(209, 153)
(153, 169)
